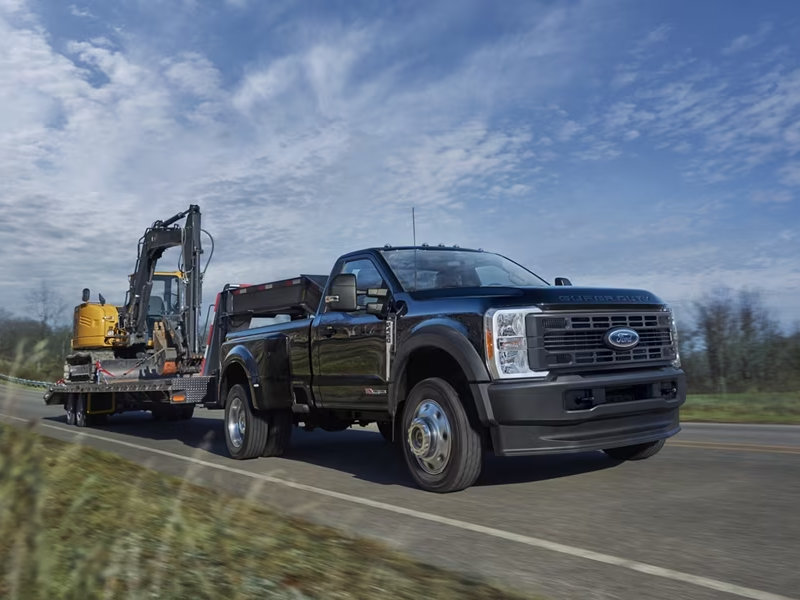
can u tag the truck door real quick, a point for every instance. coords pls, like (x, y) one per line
(349, 348)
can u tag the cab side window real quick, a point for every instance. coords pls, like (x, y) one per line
(367, 276)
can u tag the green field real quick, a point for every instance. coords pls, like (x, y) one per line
(80, 523)
(757, 407)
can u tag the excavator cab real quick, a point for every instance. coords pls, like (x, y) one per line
(166, 295)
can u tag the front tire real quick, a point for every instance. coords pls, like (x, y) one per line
(636, 451)
(442, 448)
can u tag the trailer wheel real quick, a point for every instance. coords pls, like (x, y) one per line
(441, 447)
(69, 407)
(635, 452)
(246, 432)
(80, 411)
(280, 432)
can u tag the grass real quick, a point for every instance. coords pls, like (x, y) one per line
(756, 407)
(80, 523)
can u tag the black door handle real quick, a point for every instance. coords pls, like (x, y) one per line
(329, 331)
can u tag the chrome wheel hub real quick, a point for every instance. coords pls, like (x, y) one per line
(236, 422)
(429, 437)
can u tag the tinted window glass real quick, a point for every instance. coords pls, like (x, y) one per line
(429, 268)
(367, 276)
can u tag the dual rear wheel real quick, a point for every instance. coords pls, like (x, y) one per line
(250, 433)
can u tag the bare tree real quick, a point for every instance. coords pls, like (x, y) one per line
(47, 306)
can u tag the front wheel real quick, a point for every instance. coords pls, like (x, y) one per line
(636, 451)
(442, 448)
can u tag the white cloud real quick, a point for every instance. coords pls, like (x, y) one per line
(790, 174)
(748, 41)
(772, 197)
(83, 13)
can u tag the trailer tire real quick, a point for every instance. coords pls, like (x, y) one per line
(280, 432)
(246, 431)
(442, 448)
(69, 407)
(80, 411)
(636, 451)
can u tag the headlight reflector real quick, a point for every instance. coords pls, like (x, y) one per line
(507, 344)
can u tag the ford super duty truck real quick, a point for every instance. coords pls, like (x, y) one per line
(453, 353)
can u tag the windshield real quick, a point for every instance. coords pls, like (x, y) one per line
(165, 296)
(430, 269)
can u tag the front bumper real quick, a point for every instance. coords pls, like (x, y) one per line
(574, 413)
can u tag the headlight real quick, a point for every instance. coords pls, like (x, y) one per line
(507, 344)
(676, 362)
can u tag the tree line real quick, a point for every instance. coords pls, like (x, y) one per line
(736, 344)
(733, 343)
(34, 346)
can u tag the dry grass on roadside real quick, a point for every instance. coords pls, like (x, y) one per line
(755, 407)
(80, 523)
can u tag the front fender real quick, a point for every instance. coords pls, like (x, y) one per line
(447, 337)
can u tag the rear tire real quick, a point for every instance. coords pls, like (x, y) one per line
(442, 448)
(80, 411)
(69, 407)
(636, 451)
(246, 432)
(280, 432)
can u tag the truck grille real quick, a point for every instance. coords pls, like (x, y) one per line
(577, 340)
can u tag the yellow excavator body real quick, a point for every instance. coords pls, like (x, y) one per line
(96, 325)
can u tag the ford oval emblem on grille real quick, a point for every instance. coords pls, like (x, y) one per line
(621, 338)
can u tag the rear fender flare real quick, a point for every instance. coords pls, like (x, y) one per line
(240, 356)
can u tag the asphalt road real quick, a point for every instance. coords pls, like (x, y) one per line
(714, 515)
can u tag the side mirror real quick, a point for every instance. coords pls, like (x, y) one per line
(563, 281)
(86, 295)
(342, 293)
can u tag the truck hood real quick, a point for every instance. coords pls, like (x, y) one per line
(550, 298)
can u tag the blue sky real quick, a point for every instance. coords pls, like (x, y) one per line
(640, 144)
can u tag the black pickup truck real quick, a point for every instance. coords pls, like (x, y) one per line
(452, 352)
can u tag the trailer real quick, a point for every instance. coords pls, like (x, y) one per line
(174, 397)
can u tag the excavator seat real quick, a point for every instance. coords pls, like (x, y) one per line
(155, 312)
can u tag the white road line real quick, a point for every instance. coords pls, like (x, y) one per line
(633, 565)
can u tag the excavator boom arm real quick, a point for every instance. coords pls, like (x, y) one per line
(156, 239)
